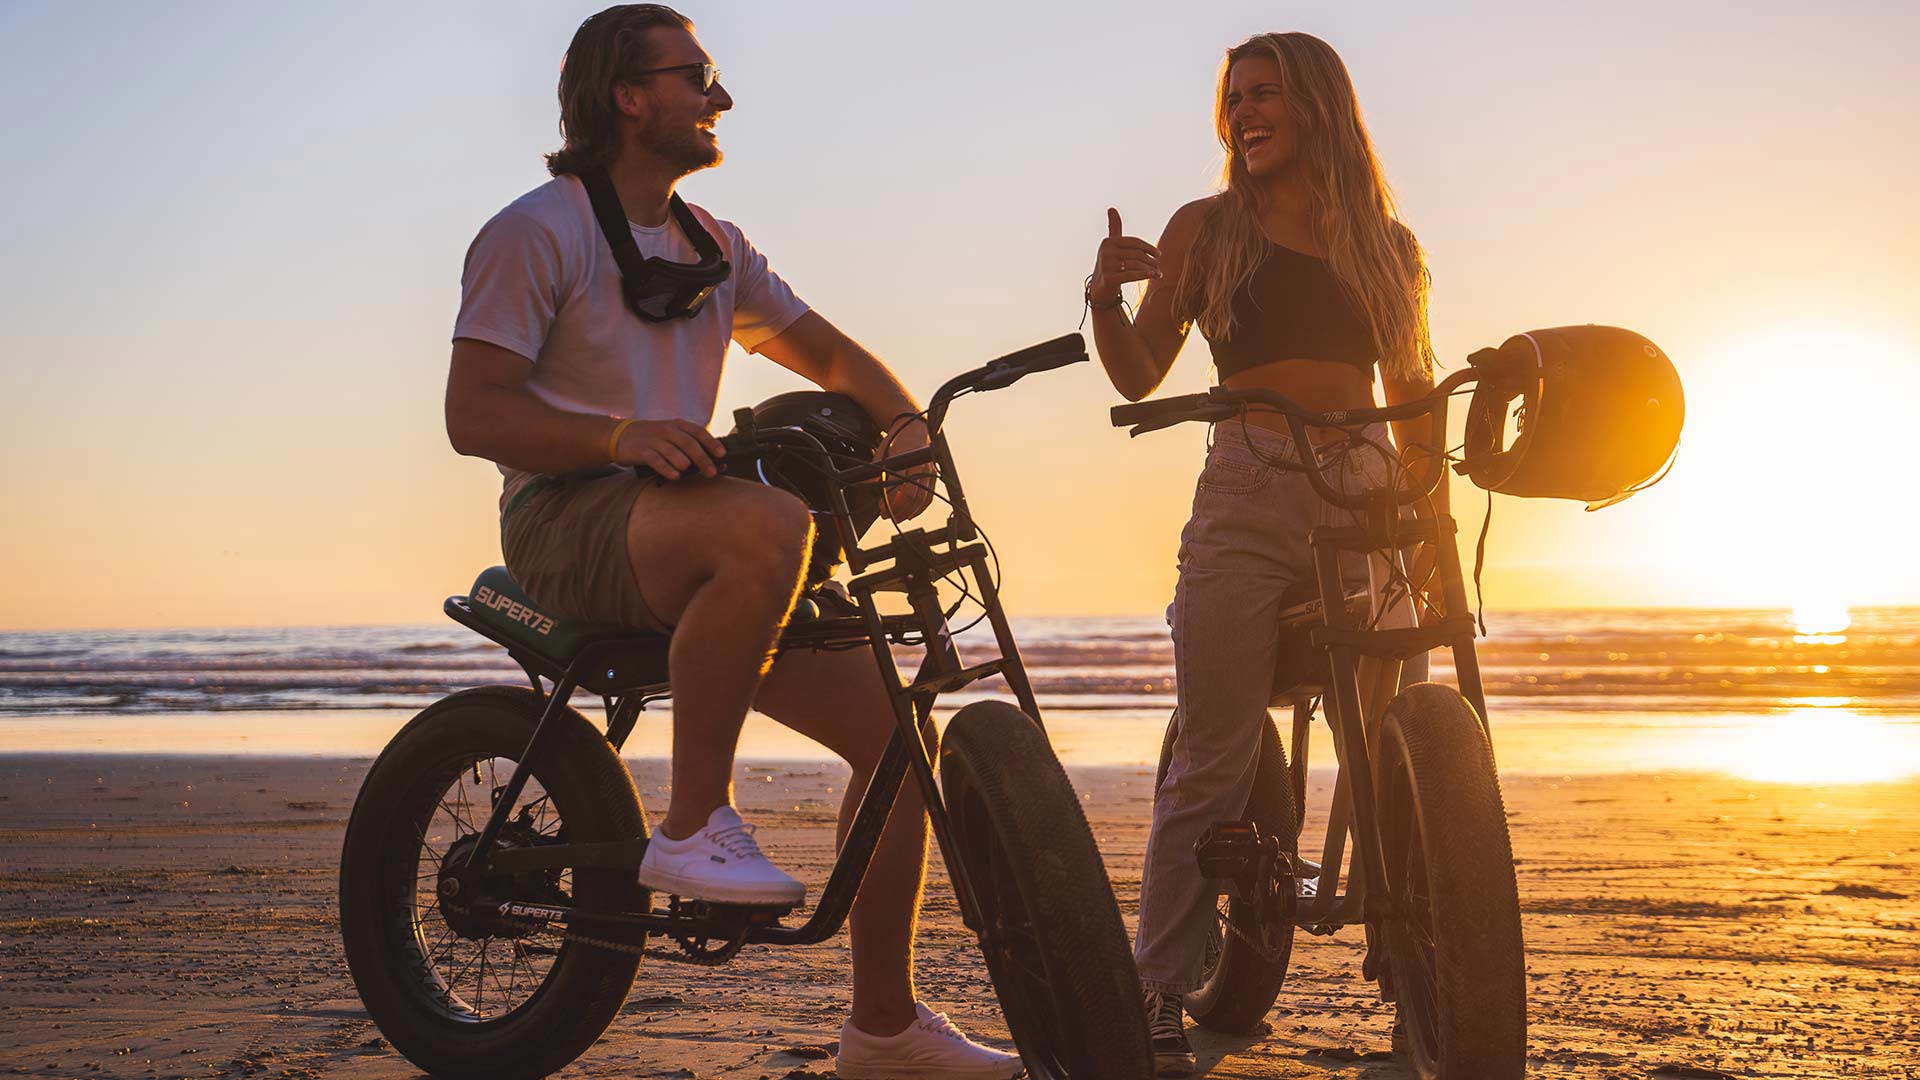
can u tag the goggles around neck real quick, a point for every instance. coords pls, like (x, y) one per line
(657, 290)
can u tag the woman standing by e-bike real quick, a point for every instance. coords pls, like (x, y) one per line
(1303, 282)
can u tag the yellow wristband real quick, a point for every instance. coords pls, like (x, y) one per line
(613, 440)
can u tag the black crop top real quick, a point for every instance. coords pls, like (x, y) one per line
(1293, 308)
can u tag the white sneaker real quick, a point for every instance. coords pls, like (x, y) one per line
(719, 863)
(931, 1048)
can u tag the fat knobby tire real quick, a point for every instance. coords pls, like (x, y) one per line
(596, 801)
(1433, 751)
(1003, 786)
(1238, 991)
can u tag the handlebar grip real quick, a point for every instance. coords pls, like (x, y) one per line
(1141, 412)
(1013, 367)
(1059, 352)
(1155, 425)
(1209, 413)
(1077, 355)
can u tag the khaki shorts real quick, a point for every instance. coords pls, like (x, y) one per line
(565, 542)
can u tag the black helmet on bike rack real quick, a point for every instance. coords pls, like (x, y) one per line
(1599, 415)
(851, 435)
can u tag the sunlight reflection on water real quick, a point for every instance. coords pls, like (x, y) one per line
(1816, 746)
(1825, 745)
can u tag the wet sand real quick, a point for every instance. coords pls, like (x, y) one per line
(166, 916)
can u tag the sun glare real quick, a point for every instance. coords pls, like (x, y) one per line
(1821, 618)
(1817, 746)
(1785, 490)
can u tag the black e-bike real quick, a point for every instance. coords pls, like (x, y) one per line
(1587, 413)
(1432, 876)
(489, 902)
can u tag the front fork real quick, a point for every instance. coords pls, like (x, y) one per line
(914, 706)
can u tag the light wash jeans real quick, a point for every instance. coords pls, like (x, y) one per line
(1245, 544)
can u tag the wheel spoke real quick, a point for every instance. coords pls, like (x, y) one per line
(1013, 957)
(456, 965)
(1010, 932)
(1419, 992)
(1419, 937)
(459, 973)
(456, 815)
(480, 983)
(433, 950)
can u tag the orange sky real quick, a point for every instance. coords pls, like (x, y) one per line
(224, 307)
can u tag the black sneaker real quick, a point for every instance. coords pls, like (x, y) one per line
(1166, 1025)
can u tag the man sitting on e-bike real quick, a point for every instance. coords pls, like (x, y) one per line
(595, 314)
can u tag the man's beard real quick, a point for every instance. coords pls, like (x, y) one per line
(686, 148)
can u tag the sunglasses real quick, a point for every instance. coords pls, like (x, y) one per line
(706, 76)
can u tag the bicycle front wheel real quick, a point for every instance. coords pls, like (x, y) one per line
(1455, 955)
(1051, 931)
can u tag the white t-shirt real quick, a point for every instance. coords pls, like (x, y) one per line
(540, 281)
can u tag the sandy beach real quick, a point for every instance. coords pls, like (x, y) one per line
(167, 916)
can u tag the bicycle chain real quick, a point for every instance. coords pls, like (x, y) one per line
(1273, 959)
(605, 943)
(691, 954)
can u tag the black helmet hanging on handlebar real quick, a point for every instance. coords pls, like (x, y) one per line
(849, 434)
(1598, 419)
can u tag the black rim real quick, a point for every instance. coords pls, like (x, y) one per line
(1015, 959)
(465, 967)
(1409, 932)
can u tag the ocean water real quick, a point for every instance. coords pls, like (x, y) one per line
(1572, 691)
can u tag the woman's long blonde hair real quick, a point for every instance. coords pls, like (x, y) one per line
(1370, 252)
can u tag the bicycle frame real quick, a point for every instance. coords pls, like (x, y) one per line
(1351, 723)
(1318, 905)
(911, 562)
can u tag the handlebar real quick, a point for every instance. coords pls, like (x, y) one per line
(1007, 370)
(1221, 403)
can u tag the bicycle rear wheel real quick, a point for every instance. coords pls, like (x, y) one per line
(459, 992)
(1051, 931)
(1247, 955)
(1452, 934)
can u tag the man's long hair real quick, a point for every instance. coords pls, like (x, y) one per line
(609, 48)
(1375, 257)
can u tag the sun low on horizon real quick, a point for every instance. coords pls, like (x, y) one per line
(1786, 491)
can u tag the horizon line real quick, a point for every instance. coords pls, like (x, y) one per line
(1530, 609)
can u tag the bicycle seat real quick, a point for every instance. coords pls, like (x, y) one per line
(1298, 667)
(625, 657)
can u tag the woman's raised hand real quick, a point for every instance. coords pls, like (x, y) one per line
(1121, 259)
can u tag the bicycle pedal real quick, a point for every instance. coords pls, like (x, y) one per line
(1229, 849)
